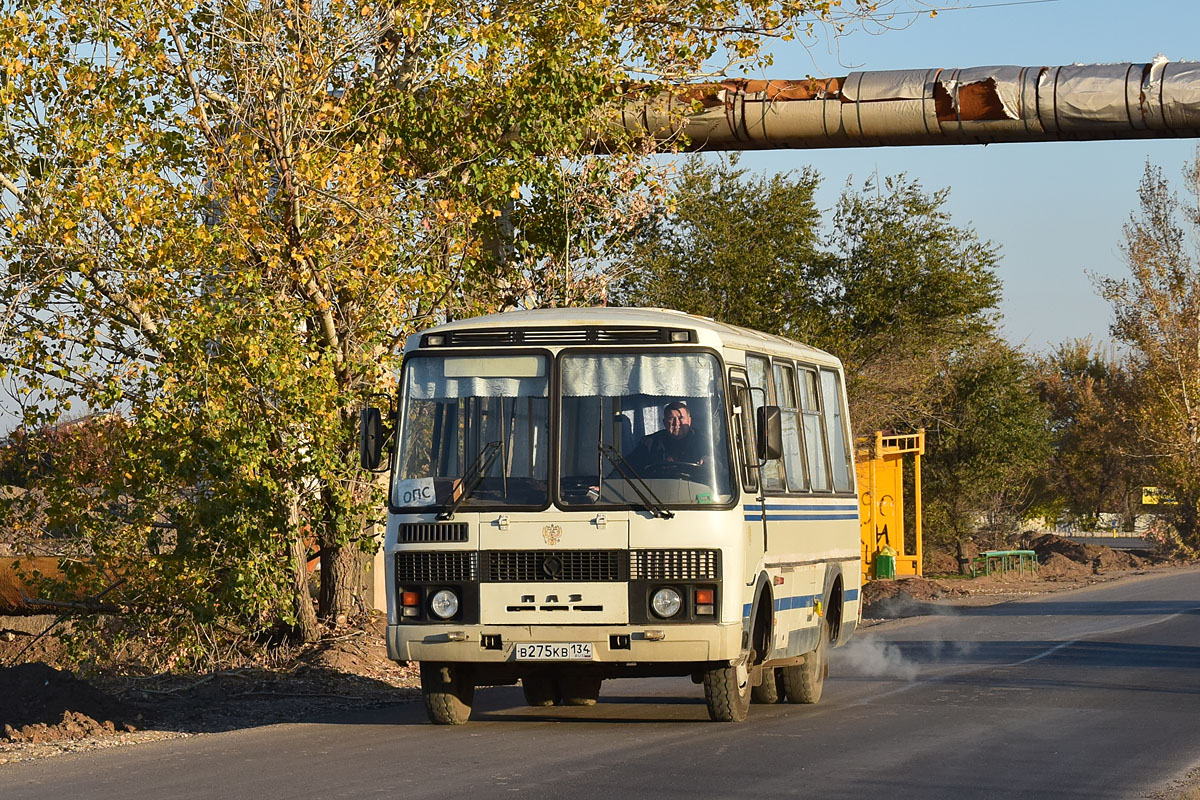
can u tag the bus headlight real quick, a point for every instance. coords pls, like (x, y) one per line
(666, 602)
(444, 604)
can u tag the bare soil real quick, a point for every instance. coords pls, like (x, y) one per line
(45, 710)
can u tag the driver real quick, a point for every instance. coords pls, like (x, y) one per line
(677, 442)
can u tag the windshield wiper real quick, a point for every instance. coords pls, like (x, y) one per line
(471, 478)
(645, 493)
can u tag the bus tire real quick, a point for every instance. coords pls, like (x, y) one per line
(804, 682)
(448, 691)
(727, 693)
(579, 691)
(540, 691)
(771, 689)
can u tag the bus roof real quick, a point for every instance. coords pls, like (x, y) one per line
(709, 331)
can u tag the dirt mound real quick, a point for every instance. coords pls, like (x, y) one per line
(940, 562)
(1057, 567)
(39, 703)
(1098, 557)
(883, 599)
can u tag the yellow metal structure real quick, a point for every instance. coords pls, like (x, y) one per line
(880, 465)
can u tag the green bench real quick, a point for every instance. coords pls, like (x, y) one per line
(1002, 561)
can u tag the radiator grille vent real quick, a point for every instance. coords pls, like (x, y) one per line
(424, 532)
(516, 566)
(435, 567)
(675, 565)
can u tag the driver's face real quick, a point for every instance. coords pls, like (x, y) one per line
(677, 421)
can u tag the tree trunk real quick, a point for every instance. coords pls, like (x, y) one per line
(963, 561)
(343, 568)
(306, 619)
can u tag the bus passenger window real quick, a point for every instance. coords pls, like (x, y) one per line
(793, 454)
(814, 436)
(835, 425)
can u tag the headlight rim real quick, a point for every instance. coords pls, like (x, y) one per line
(456, 604)
(677, 602)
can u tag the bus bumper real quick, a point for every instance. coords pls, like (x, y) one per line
(614, 644)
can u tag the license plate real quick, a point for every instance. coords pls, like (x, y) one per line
(564, 651)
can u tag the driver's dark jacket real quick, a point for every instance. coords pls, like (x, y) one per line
(661, 447)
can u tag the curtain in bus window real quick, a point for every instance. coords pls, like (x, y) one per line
(502, 376)
(665, 375)
(835, 425)
(612, 410)
(759, 371)
(457, 410)
(814, 436)
(793, 453)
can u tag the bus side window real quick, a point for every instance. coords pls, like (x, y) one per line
(759, 370)
(793, 449)
(814, 434)
(743, 435)
(835, 426)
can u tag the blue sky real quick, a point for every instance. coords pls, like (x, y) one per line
(1056, 209)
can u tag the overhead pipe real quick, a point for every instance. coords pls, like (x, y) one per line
(977, 105)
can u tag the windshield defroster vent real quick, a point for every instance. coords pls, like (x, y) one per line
(567, 335)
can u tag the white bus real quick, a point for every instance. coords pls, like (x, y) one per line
(586, 494)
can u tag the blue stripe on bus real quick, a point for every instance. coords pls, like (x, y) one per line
(795, 517)
(785, 603)
(795, 507)
(797, 601)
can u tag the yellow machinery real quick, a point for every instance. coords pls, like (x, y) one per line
(880, 464)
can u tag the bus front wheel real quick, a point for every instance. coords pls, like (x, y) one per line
(448, 691)
(727, 693)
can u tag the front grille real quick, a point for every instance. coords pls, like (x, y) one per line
(425, 532)
(519, 566)
(563, 335)
(675, 565)
(435, 567)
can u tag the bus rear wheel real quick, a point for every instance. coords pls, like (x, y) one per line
(579, 691)
(448, 691)
(771, 689)
(727, 693)
(540, 691)
(804, 682)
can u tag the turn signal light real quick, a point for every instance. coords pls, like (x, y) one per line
(410, 599)
(704, 597)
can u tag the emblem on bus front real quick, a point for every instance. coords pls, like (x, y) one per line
(552, 534)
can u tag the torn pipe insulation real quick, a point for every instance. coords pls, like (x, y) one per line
(979, 105)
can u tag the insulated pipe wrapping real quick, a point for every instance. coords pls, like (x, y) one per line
(978, 105)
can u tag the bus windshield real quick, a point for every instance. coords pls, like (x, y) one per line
(643, 425)
(474, 431)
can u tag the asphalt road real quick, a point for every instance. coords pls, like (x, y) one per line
(1115, 542)
(1088, 694)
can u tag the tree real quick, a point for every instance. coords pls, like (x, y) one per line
(1157, 317)
(987, 443)
(1095, 466)
(221, 218)
(894, 293)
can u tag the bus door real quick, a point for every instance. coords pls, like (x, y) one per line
(742, 408)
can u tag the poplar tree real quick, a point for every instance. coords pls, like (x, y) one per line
(220, 219)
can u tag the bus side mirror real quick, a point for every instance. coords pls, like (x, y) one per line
(770, 433)
(370, 438)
